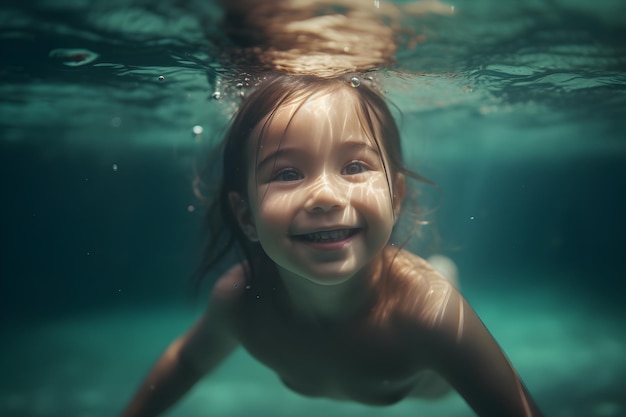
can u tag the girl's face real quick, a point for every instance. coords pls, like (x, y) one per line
(319, 201)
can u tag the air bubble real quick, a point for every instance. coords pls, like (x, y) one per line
(355, 82)
(73, 57)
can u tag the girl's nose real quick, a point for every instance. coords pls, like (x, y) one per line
(325, 195)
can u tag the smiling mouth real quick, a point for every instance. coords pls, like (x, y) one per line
(328, 236)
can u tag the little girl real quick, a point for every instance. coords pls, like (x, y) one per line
(312, 186)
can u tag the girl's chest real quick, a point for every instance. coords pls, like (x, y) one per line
(367, 364)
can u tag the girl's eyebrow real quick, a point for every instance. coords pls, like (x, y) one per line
(361, 145)
(276, 154)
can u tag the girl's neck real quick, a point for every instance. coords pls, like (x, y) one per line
(318, 304)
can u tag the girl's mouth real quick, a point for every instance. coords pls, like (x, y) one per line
(328, 236)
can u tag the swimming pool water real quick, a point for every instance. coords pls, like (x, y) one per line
(516, 110)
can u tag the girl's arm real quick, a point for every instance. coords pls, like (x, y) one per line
(470, 359)
(448, 337)
(187, 359)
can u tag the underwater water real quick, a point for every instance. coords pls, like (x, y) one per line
(517, 110)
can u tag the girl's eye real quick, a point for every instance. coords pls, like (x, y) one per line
(287, 175)
(354, 168)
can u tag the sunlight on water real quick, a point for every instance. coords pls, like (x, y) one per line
(529, 61)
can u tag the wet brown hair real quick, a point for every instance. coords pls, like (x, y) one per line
(225, 235)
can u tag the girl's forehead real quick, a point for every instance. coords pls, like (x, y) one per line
(317, 117)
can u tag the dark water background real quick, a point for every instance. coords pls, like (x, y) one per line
(517, 110)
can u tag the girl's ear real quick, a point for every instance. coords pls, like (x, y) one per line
(242, 213)
(399, 190)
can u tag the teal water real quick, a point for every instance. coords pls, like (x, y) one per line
(517, 110)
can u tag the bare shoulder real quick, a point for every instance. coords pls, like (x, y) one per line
(446, 335)
(424, 296)
(227, 295)
(230, 286)
(407, 260)
(214, 332)
(412, 273)
(212, 337)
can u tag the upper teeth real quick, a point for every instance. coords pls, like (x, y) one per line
(328, 235)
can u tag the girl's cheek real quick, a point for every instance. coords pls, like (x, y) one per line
(376, 188)
(276, 202)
